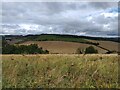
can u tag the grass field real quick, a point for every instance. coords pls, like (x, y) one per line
(60, 71)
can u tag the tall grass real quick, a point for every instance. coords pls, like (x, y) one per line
(60, 71)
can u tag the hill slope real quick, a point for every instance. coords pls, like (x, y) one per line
(61, 46)
(56, 43)
(58, 37)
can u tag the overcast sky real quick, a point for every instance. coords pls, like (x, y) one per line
(76, 18)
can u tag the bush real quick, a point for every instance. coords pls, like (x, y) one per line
(23, 49)
(79, 51)
(90, 50)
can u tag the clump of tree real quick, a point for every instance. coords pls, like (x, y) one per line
(22, 49)
(88, 50)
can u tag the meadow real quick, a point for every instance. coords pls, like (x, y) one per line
(60, 71)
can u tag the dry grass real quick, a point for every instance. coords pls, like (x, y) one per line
(60, 71)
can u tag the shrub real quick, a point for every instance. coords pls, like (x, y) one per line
(79, 51)
(23, 49)
(90, 50)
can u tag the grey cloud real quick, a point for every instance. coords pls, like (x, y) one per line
(64, 18)
(103, 5)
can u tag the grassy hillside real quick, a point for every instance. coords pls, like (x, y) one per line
(59, 37)
(50, 37)
(60, 71)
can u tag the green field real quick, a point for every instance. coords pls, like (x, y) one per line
(55, 38)
(60, 71)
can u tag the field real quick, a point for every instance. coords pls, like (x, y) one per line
(63, 47)
(108, 44)
(60, 71)
(66, 44)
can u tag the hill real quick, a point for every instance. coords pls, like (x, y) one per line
(62, 47)
(57, 37)
(57, 43)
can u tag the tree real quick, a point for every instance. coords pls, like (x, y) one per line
(90, 50)
(23, 49)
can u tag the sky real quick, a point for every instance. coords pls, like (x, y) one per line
(75, 18)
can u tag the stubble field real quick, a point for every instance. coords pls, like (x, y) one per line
(62, 47)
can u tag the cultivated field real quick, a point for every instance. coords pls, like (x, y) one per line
(61, 47)
(60, 71)
(108, 44)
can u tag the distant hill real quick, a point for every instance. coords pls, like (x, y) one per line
(60, 37)
(57, 43)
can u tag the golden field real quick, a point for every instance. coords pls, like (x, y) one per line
(60, 71)
(62, 47)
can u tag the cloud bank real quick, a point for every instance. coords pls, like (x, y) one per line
(75, 18)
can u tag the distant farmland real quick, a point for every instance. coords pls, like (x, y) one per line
(63, 47)
(60, 71)
(66, 44)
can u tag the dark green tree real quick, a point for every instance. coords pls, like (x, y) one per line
(90, 50)
(23, 49)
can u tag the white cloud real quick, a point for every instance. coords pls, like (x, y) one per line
(106, 15)
(29, 26)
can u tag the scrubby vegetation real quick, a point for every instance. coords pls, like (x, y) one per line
(88, 50)
(22, 49)
(60, 71)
